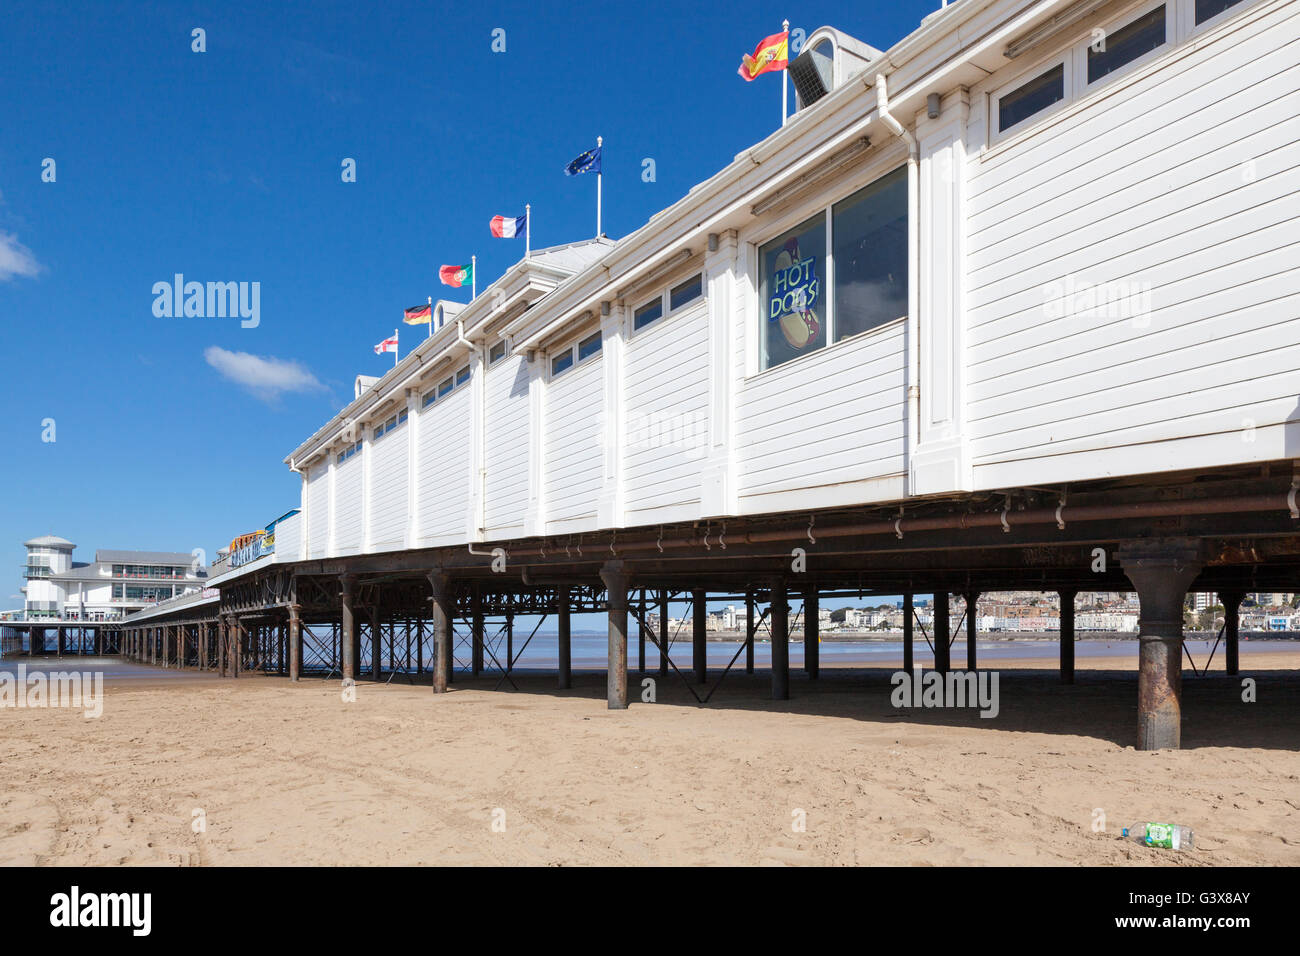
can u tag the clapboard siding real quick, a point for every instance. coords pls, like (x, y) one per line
(1176, 187)
(318, 510)
(574, 446)
(347, 505)
(388, 504)
(832, 418)
(666, 382)
(444, 468)
(506, 451)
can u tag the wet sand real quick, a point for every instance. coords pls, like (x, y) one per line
(286, 773)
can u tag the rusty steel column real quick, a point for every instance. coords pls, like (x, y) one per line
(699, 635)
(221, 646)
(640, 639)
(751, 626)
(203, 646)
(1161, 570)
(476, 632)
(663, 633)
(615, 579)
(563, 634)
(1231, 630)
(909, 630)
(376, 643)
(1067, 634)
(780, 619)
(348, 630)
(942, 625)
(295, 642)
(563, 638)
(440, 602)
(237, 634)
(812, 632)
(972, 600)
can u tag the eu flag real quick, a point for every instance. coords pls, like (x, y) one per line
(588, 162)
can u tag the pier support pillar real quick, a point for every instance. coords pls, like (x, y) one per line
(376, 644)
(564, 638)
(295, 642)
(663, 633)
(780, 618)
(615, 579)
(751, 626)
(699, 635)
(640, 635)
(1161, 570)
(942, 637)
(476, 632)
(909, 628)
(812, 632)
(348, 630)
(1067, 634)
(440, 601)
(972, 602)
(1231, 630)
(63, 641)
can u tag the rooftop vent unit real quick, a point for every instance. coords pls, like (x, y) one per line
(828, 60)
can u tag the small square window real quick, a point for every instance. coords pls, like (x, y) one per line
(497, 352)
(562, 362)
(446, 387)
(462, 376)
(1209, 9)
(648, 313)
(1034, 97)
(688, 291)
(429, 399)
(401, 419)
(1128, 43)
(589, 346)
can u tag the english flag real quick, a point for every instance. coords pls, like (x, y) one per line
(387, 345)
(508, 227)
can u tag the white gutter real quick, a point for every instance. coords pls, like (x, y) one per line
(913, 266)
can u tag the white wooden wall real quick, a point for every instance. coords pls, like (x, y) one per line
(1180, 177)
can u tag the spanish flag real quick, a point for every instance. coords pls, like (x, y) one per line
(772, 54)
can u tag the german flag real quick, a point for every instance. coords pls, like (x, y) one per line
(770, 55)
(418, 315)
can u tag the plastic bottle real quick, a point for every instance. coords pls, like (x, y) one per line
(1168, 836)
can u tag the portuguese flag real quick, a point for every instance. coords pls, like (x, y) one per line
(771, 54)
(456, 276)
(417, 314)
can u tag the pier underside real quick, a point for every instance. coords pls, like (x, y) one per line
(447, 610)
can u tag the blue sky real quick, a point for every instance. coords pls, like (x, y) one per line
(225, 166)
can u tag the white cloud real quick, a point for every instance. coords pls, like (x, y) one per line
(263, 375)
(15, 258)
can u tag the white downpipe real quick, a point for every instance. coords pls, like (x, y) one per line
(913, 269)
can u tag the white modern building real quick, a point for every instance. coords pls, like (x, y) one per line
(113, 585)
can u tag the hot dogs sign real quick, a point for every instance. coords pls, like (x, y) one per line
(795, 291)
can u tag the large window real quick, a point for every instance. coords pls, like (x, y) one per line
(1033, 97)
(1128, 43)
(870, 250)
(809, 299)
(792, 270)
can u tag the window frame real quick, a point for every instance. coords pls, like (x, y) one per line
(505, 351)
(798, 217)
(1064, 59)
(1119, 22)
(599, 337)
(665, 302)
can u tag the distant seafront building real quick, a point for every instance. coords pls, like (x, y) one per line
(113, 585)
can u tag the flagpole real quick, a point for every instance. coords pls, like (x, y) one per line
(473, 278)
(430, 335)
(785, 27)
(396, 350)
(528, 229)
(599, 173)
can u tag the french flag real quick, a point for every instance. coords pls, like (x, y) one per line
(508, 227)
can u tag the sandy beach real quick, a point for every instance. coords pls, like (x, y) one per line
(285, 773)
